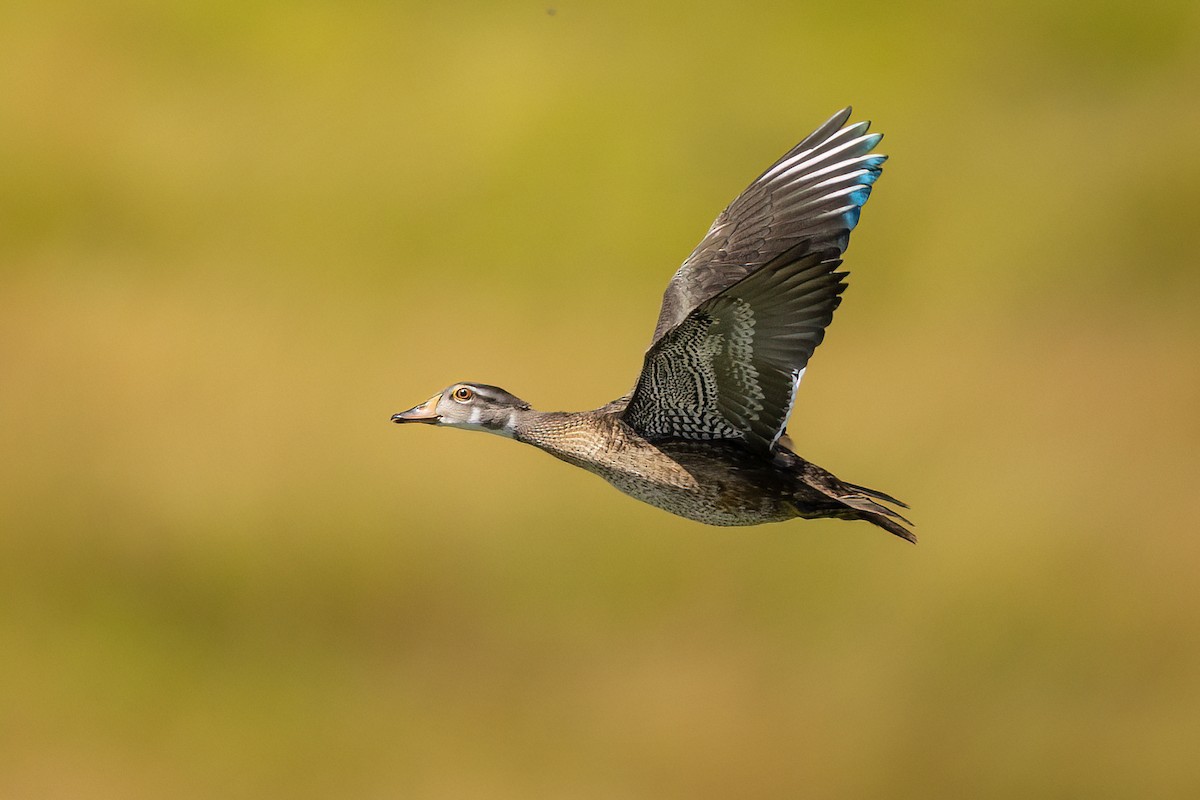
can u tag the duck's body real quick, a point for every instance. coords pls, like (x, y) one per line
(703, 433)
(714, 482)
(717, 483)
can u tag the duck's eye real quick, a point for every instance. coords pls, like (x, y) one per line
(462, 394)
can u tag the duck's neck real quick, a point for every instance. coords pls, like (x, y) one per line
(537, 427)
(569, 435)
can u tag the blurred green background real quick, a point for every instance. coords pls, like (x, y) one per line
(236, 237)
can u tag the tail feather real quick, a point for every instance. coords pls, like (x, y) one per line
(861, 503)
(876, 514)
(878, 495)
(890, 526)
(849, 500)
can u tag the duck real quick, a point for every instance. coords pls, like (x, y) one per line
(703, 433)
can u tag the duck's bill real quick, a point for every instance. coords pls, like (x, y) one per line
(426, 412)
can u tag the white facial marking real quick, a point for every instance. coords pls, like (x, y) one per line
(474, 422)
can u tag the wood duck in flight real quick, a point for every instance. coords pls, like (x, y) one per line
(703, 433)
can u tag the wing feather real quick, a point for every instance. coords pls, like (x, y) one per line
(730, 369)
(813, 194)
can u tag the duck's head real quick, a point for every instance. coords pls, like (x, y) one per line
(469, 405)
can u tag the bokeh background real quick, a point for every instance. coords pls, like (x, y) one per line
(235, 237)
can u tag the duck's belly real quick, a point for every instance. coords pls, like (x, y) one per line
(710, 506)
(727, 500)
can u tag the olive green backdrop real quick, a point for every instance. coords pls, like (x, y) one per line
(236, 237)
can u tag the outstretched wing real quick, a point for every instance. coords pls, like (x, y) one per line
(730, 369)
(813, 193)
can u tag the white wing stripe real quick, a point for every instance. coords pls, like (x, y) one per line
(787, 414)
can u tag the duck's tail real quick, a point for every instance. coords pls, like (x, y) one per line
(863, 503)
(849, 501)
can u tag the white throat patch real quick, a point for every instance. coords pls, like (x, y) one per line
(474, 423)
